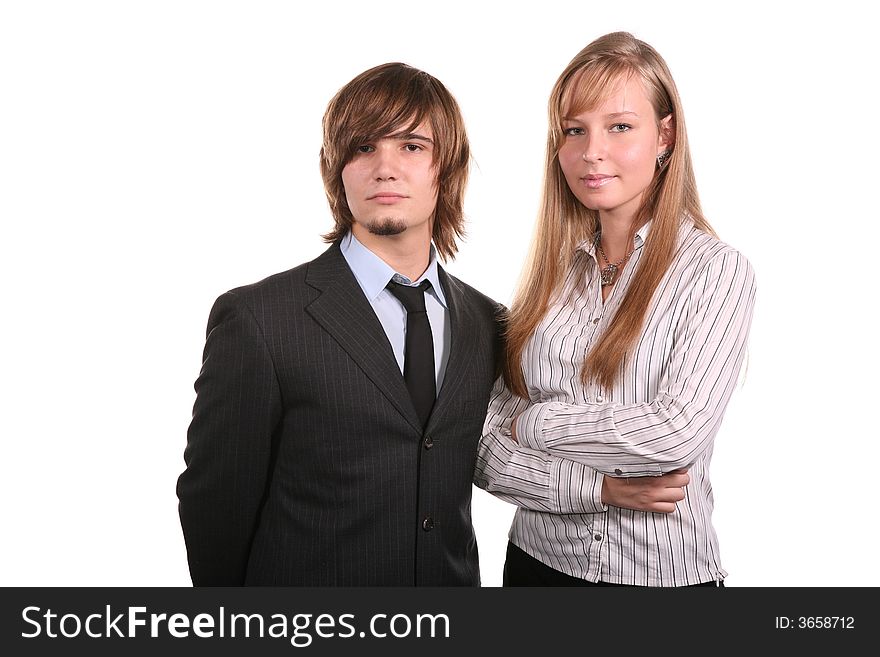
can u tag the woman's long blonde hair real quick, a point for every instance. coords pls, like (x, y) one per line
(564, 222)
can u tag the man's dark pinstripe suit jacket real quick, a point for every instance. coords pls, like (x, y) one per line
(305, 462)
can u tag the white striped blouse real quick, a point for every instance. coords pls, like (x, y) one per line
(662, 414)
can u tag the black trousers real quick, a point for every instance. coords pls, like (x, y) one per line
(521, 569)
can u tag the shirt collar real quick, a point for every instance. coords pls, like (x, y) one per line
(373, 273)
(589, 245)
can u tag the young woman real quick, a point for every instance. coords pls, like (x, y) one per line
(624, 343)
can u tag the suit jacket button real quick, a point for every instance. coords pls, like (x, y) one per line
(428, 524)
(429, 442)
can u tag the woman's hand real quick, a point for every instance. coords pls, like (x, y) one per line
(654, 494)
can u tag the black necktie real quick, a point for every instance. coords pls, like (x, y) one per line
(418, 357)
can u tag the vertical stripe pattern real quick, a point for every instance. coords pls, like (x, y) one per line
(662, 414)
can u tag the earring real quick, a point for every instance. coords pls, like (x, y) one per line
(662, 158)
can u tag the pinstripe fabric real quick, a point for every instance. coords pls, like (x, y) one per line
(662, 414)
(305, 461)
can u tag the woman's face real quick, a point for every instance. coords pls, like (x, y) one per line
(609, 154)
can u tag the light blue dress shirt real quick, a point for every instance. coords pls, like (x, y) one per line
(373, 273)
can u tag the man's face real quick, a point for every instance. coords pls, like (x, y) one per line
(390, 184)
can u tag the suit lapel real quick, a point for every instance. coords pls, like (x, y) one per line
(461, 351)
(345, 313)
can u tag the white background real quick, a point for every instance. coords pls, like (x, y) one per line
(155, 154)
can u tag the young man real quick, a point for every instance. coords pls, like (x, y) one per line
(316, 456)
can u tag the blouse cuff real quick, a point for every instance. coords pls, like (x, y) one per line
(530, 424)
(578, 487)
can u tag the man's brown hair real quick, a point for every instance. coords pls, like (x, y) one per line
(389, 100)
